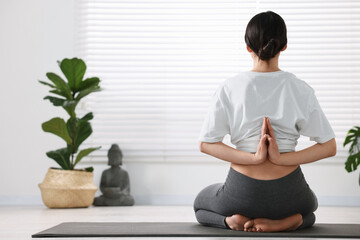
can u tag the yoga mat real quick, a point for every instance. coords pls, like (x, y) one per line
(187, 229)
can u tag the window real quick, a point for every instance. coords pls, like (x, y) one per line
(160, 62)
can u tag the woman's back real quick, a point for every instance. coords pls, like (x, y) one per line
(251, 96)
(240, 104)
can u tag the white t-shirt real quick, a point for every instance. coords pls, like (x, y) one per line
(241, 102)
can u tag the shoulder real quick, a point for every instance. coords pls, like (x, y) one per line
(224, 86)
(300, 84)
(222, 92)
(236, 78)
(236, 81)
(303, 90)
(228, 84)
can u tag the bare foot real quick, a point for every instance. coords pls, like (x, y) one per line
(236, 222)
(248, 226)
(290, 223)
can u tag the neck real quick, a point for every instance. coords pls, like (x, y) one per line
(271, 65)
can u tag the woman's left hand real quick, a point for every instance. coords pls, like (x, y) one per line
(273, 150)
(261, 154)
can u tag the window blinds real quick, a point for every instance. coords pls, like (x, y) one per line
(161, 61)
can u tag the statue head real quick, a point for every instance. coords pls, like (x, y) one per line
(115, 155)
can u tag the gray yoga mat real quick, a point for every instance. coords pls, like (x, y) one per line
(187, 229)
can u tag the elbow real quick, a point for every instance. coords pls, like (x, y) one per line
(204, 146)
(334, 150)
(201, 147)
(332, 147)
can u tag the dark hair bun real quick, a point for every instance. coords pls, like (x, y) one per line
(266, 35)
(268, 51)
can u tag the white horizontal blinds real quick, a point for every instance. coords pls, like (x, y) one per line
(160, 62)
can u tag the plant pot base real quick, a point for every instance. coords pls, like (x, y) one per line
(67, 189)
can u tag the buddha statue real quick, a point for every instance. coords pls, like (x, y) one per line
(115, 183)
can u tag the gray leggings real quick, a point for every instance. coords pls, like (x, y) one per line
(253, 198)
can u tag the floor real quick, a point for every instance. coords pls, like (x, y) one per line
(20, 222)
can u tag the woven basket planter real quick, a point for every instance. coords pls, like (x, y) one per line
(68, 188)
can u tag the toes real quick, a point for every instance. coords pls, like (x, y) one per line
(249, 224)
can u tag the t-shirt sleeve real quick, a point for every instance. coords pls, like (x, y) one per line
(315, 125)
(216, 123)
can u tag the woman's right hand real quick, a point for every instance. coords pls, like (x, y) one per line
(261, 154)
(273, 150)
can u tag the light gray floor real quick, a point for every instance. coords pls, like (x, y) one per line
(20, 222)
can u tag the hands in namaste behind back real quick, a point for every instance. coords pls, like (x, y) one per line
(267, 148)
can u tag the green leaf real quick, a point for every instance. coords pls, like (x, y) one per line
(348, 164)
(89, 169)
(89, 82)
(70, 106)
(57, 92)
(58, 127)
(356, 161)
(347, 140)
(74, 70)
(84, 153)
(47, 84)
(71, 127)
(352, 146)
(83, 131)
(352, 162)
(352, 135)
(79, 130)
(352, 131)
(88, 117)
(70, 103)
(56, 101)
(62, 157)
(87, 91)
(60, 84)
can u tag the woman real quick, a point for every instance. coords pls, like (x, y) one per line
(265, 111)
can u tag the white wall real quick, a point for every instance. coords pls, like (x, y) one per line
(34, 34)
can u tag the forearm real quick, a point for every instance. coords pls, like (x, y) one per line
(227, 153)
(311, 154)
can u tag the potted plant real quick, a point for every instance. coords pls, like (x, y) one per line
(353, 160)
(67, 187)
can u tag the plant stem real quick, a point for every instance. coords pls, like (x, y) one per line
(73, 134)
(72, 143)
